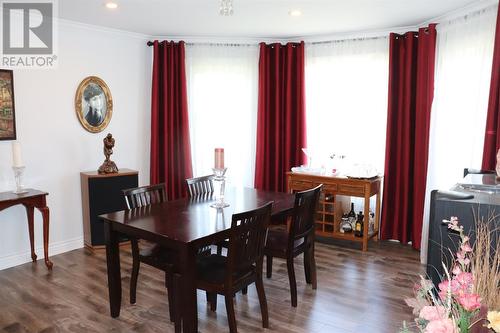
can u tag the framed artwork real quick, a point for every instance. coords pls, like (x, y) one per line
(7, 108)
(93, 104)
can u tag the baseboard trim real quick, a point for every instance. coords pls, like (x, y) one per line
(54, 249)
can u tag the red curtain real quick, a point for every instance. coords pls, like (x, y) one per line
(281, 125)
(170, 147)
(411, 87)
(492, 135)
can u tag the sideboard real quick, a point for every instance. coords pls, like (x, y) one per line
(102, 194)
(334, 202)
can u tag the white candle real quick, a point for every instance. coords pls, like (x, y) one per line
(17, 160)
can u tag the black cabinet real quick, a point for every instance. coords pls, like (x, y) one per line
(102, 194)
(482, 206)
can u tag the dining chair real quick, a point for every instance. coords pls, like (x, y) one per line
(226, 275)
(298, 239)
(153, 255)
(200, 185)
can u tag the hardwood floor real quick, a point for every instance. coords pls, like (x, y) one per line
(357, 292)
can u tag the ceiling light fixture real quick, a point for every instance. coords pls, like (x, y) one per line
(295, 12)
(226, 7)
(111, 5)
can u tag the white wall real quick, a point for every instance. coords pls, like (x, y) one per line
(55, 146)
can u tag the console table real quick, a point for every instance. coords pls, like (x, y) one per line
(332, 202)
(30, 200)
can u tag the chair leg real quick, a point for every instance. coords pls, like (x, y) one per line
(269, 266)
(244, 291)
(314, 278)
(307, 266)
(135, 270)
(219, 250)
(212, 300)
(230, 312)
(176, 302)
(293, 282)
(262, 301)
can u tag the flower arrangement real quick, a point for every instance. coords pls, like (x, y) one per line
(459, 306)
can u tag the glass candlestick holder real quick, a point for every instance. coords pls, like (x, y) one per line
(18, 174)
(219, 187)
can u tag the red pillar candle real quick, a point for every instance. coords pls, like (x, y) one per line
(219, 158)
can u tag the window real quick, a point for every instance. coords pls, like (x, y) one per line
(222, 84)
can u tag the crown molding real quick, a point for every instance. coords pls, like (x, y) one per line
(100, 28)
(461, 12)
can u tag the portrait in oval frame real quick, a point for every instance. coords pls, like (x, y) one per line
(93, 104)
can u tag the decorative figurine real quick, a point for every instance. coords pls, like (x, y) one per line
(497, 169)
(108, 166)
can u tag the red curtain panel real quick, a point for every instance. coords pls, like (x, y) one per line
(492, 135)
(170, 147)
(281, 125)
(411, 87)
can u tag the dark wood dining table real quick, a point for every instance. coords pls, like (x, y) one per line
(183, 225)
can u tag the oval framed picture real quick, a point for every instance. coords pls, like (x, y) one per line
(93, 104)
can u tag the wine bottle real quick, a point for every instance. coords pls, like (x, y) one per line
(358, 231)
(352, 216)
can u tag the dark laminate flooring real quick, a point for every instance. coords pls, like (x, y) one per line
(357, 292)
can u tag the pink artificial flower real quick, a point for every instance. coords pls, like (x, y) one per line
(430, 313)
(445, 325)
(454, 286)
(470, 302)
(466, 247)
(465, 279)
(456, 270)
(462, 259)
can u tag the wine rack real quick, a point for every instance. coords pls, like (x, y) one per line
(335, 199)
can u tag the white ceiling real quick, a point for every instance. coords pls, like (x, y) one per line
(256, 18)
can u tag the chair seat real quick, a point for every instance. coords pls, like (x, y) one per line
(158, 256)
(277, 241)
(212, 269)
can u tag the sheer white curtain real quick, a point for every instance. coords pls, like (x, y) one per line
(222, 85)
(464, 56)
(346, 99)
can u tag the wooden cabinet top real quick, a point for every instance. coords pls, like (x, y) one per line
(11, 196)
(331, 179)
(121, 172)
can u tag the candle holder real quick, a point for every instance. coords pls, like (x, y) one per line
(18, 174)
(220, 182)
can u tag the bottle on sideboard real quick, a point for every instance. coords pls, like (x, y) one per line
(345, 225)
(352, 216)
(358, 230)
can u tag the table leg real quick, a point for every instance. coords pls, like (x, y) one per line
(377, 216)
(114, 276)
(30, 212)
(366, 220)
(189, 301)
(45, 216)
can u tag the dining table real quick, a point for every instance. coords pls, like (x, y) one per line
(183, 225)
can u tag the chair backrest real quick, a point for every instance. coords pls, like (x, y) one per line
(304, 212)
(247, 239)
(145, 195)
(200, 185)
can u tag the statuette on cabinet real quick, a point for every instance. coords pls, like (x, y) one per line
(108, 166)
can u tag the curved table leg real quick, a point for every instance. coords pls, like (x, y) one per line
(30, 212)
(45, 215)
